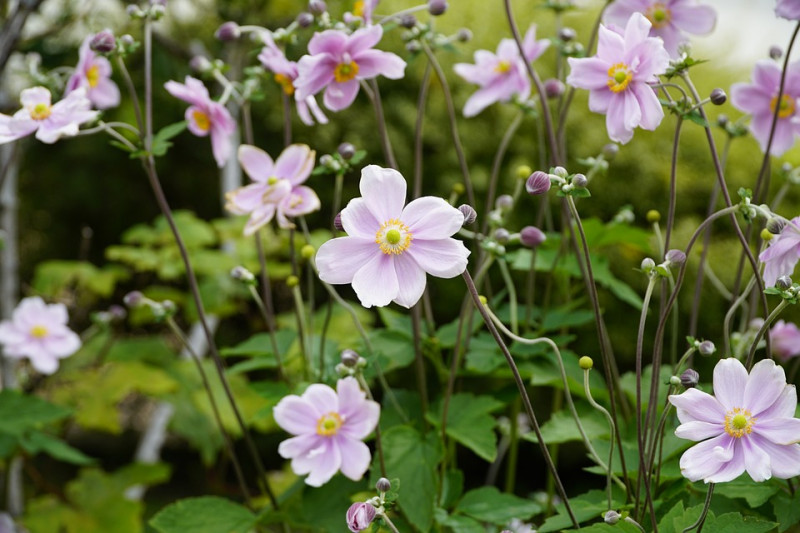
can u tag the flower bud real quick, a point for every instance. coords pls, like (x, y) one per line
(200, 64)
(337, 222)
(775, 52)
(359, 516)
(469, 214)
(504, 202)
(674, 381)
(408, 21)
(292, 281)
(117, 312)
(437, 7)
(690, 378)
(103, 42)
(610, 151)
(134, 11)
(157, 10)
(383, 485)
(676, 257)
(706, 348)
(133, 299)
(531, 236)
(561, 172)
(127, 40)
(775, 225)
(722, 120)
(653, 216)
(169, 307)
(413, 46)
(305, 19)
(611, 517)
(718, 96)
(554, 88)
(566, 34)
(307, 251)
(229, 31)
(586, 362)
(317, 7)
(347, 151)
(538, 183)
(524, 172)
(464, 35)
(501, 235)
(242, 274)
(647, 264)
(579, 180)
(766, 235)
(482, 299)
(783, 282)
(349, 358)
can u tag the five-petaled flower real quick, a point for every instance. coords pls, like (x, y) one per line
(788, 9)
(49, 121)
(748, 424)
(329, 427)
(785, 339)
(671, 19)
(338, 62)
(278, 188)
(760, 98)
(205, 116)
(503, 75)
(618, 78)
(93, 73)
(783, 253)
(389, 248)
(39, 332)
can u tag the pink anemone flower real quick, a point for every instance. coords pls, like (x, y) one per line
(205, 116)
(39, 332)
(748, 425)
(783, 253)
(760, 97)
(278, 188)
(93, 73)
(788, 9)
(503, 75)
(329, 427)
(389, 248)
(785, 340)
(337, 62)
(671, 19)
(49, 121)
(618, 78)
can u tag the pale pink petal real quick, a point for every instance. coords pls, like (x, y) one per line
(600, 99)
(360, 415)
(788, 9)
(610, 45)
(764, 385)
(636, 30)
(339, 259)
(384, 191)
(784, 406)
(750, 98)
(325, 465)
(730, 380)
(431, 218)
(295, 415)
(443, 258)
(62, 345)
(295, 163)
(44, 363)
(328, 42)
(589, 73)
(652, 112)
(778, 430)
(694, 404)
(193, 91)
(372, 63)
(532, 48)
(471, 73)
(256, 163)
(105, 94)
(756, 459)
(358, 220)
(410, 280)
(698, 430)
(221, 145)
(314, 74)
(34, 96)
(300, 445)
(362, 39)
(355, 457)
(704, 459)
(732, 469)
(199, 128)
(623, 115)
(375, 282)
(339, 96)
(245, 199)
(785, 459)
(301, 201)
(322, 399)
(620, 11)
(261, 216)
(698, 20)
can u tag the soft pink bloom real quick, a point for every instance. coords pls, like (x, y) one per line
(785, 339)
(49, 121)
(205, 116)
(503, 75)
(389, 247)
(671, 19)
(277, 189)
(285, 72)
(93, 73)
(783, 253)
(618, 78)
(359, 516)
(337, 62)
(749, 424)
(39, 332)
(759, 99)
(329, 427)
(788, 9)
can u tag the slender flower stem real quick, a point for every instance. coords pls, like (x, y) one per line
(588, 390)
(378, 441)
(422, 383)
(421, 102)
(762, 330)
(134, 96)
(701, 520)
(371, 88)
(274, 342)
(673, 179)
(389, 522)
(287, 119)
(513, 447)
(497, 164)
(266, 298)
(726, 324)
(512, 294)
(302, 330)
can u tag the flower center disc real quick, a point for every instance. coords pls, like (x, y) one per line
(329, 424)
(286, 83)
(659, 15)
(345, 71)
(619, 77)
(93, 76)
(40, 112)
(739, 422)
(393, 237)
(39, 331)
(201, 120)
(503, 66)
(787, 107)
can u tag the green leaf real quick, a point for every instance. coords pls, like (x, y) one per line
(488, 504)
(561, 427)
(756, 494)
(459, 523)
(161, 139)
(207, 514)
(56, 448)
(587, 506)
(787, 510)
(736, 522)
(452, 487)
(22, 412)
(469, 422)
(260, 346)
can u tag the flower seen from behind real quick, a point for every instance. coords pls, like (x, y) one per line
(748, 425)
(49, 121)
(39, 332)
(783, 253)
(278, 189)
(93, 73)
(618, 78)
(329, 427)
(785, 340)
(390, 248)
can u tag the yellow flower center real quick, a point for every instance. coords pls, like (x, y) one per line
(329, 424)
(619, 77)
(286, 83)
(93, 75)
(345, 71)
(201, 120)
(503, 66)
(787, 106)
(358, 8)
(739, 422)
(40, 111)
(272, 180)
(393, 237)
(659, 15)
(39, 331)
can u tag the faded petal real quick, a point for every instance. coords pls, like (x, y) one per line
(295, 163)
(698, 19)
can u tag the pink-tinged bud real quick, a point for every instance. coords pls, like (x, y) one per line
(383, 485)
(469, 214)
(707, 348)
(690, 378)
(360, 516)
(566, 34)
(531, 236)
(133, 298)
(347, 151)
(337, 222)
(501, 235)
(229, 31)
(538, 183)
(675, 257)
(200, 64)
(317, 7)
(349, 358)
(103, 42)
(554, 88)
(580, 180)
(305, 19)
(775, 52)
(437, 7)
(408, 21)
(504, 202)
(718, 96)
(784, 282)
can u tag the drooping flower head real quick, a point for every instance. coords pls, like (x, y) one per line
(747, 425)
(205, 116)
(671, 19)
(49, 121)
(502, 75)
(93, 73)
(389, 248)
(285, 72)
(788, 9)
(329, 427)
(39, 332)
(760, 97)
(337, 62)
(783, 253)
(278, 188)
(618, 78)
(785, 339)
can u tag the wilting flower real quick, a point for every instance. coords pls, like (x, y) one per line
(760, 97)
(49, 121)
(788, 9)
(359, 516)
(205, 116)
(285, 72)
(671, 19)
(783, 253)
(329, 427)
(39, 332)
(785, 339)
(389, 248)
(618, 76)
(503, 75)
(93, 73)
(749, 425)
(339, 61)
(277, 189)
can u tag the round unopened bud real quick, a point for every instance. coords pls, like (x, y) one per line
(504, 202)
(133, 299)
(464, 35)
(157, 10)
(501, 235)
(579, 180)
(722, 120)
(586, 362)
(783, 282)
(117, 312)
(653, 216)
(292, 282)
(775, 225)
(127, 40)
(706, 348)
(169, 307)
(337, 222)
(767, 235)
(610, 151)
(482, 299)
(611, 517)
(103, 42)
(458, 188)
(561, 172)
(566, 34)
(690, 378)
(675, 257)
(469, 214)
(307, 251)
(554, 88)
(718, 96)
(408, 21)
(413, 46)
(134, 11)
(531, 236)
(347, 151)
(229, 31)
(775, 52)
(360, 515)
(538, 183)
(383, 485)
(200, 64)
(648, 264)
(349, 358)
(437, 7)
(305, 19)
(242, 274)
(674, 381)
(523, 172)
(317, 7)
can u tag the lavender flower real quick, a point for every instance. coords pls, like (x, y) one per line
(93, 73)
(785, 340)
(50, 122)
(783, 253)
(788, 9)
